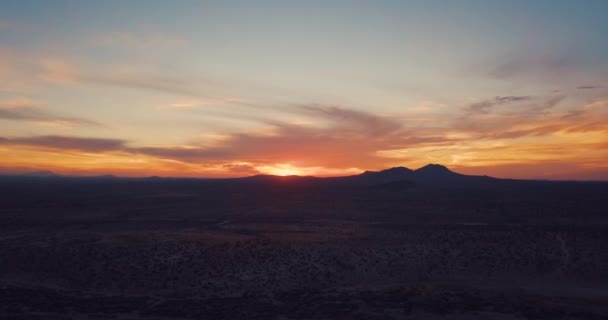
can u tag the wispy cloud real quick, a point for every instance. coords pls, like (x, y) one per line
(543, 106)
(564, 70)
(23, 109)
(531, 65)
(186, 154)
(68, 143)
(193, 91)
(347, 120)
(532, 120)
(241, 169)
(485, 106)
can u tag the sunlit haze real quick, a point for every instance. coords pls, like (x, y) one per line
(515, 89)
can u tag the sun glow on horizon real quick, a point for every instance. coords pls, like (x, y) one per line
(285, 169)
(281, 170)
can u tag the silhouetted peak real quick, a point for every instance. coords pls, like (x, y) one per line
(433, 166)
(434, 169)
(390, 171)
(397, 170)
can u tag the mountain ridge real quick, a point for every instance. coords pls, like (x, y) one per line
(430, 173)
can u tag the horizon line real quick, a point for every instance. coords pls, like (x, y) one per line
(50, 174)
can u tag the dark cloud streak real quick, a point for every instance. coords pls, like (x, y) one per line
(195, 154)
(486, 105)
(33, 114)
(68, 143)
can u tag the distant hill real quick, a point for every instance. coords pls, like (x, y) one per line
(435, 171)
(380, 177)
(396, 177)
(42, 173)
(430, 174)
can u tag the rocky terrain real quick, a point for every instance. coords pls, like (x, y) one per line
(386, 247)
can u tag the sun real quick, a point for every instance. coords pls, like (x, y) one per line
(285, 172)
(282, 170)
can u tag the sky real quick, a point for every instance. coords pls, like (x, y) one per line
(513, 89)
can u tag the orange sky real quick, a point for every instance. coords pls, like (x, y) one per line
(556, 145)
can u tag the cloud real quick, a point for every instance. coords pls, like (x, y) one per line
(587, 87)
(68, 143)
(186, 154)
(40, 117)
(583, 112)
(519, 107)
(192, 89)
(542, 66)
(538, 119)
(87, 144)
(184, 104)
(540, 108)
(548, 71)
(31, 73)
(533, 132)
(507, 99)
(19, 114)
(59, 71)
(241, 169)
(150, 82)
(25, 110)
(16, 103)
(486, 105)
(597, 104)
(357, 121)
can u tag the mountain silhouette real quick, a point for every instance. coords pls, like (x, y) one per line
(392, 178)
(435, 169)
(429, 174)
(396, 177)
(384, 176)
(433, 172)
(395, 171)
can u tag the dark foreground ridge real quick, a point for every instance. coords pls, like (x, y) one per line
(395, 244)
